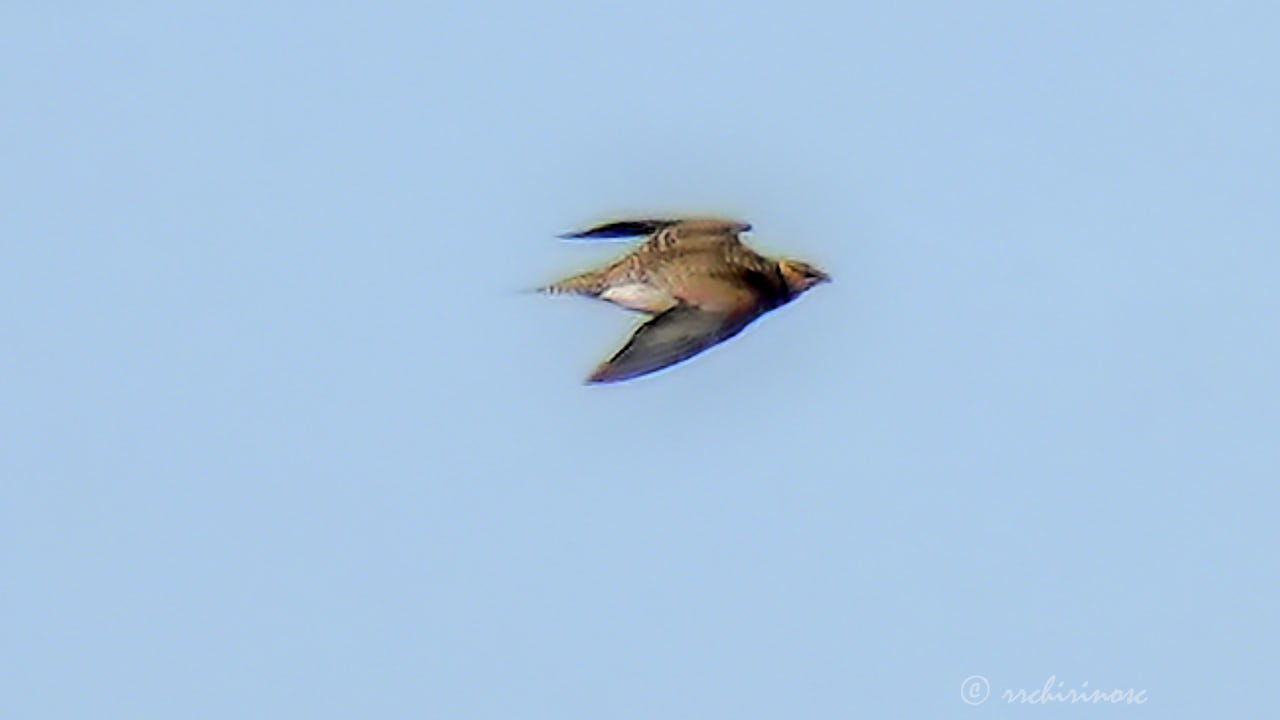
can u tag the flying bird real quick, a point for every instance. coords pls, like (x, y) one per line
(697, 281)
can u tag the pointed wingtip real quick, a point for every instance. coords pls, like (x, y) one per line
(615, 230)
(608, 374)
(599, 377)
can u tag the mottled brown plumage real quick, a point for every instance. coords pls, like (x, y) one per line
(695, 277)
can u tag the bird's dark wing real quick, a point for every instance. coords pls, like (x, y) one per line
(666, 233)
(621, 229)
(676, 335)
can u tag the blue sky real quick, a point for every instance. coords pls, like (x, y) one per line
(284, 437)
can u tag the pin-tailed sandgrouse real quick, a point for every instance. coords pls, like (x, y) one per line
(696, 279)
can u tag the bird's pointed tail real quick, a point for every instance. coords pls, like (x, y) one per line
(588, 283)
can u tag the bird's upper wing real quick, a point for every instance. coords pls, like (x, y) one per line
(688, 234)
(666, 233)
(676, 335)
(620, 229)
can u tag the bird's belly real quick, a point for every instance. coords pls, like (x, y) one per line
(639, 296)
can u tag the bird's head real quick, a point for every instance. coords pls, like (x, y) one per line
(800, 276)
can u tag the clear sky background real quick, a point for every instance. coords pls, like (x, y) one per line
(281, 435)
